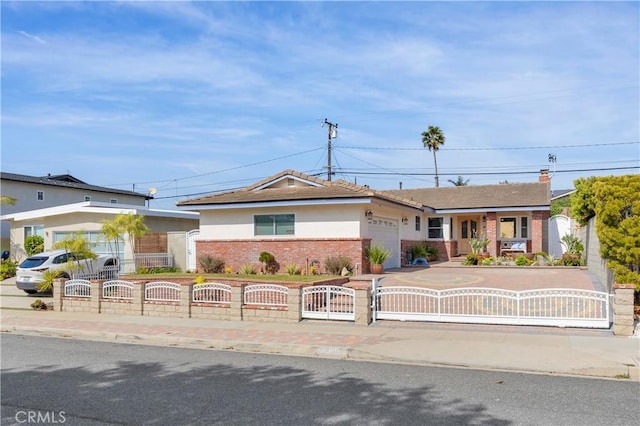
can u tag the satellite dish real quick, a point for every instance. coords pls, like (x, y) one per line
(152, 191)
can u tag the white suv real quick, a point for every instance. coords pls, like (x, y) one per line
(29, 273)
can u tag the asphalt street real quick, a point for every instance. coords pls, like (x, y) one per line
(95, 383)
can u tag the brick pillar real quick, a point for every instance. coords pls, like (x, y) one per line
(237, 294)
(623, 309)
(96, 294)
(537, 227)
(186, 293)
(492, 233)
(58, 292)
(137, 304)
(295, 304)
(362, 302)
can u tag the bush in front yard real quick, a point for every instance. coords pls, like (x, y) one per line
(210, 264)
(335, 264)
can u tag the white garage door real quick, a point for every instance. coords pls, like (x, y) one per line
(386, 232)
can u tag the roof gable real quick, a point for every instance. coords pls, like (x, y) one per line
(292, 186)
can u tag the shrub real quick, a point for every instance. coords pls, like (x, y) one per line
(199, 280)
(210, 264)
(432, 253)
(336, 264)
(571, 259)
(228, 270)
(292, 269)
(39, 305)
(471, 259)
(33, 244)
(47, 284)
(247, 269)
(8, 269)
(269, 260)
(522, 261)
(157, 270)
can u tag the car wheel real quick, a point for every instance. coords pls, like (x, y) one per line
(31, 291)
(65, 276)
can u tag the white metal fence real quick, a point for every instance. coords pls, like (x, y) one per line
(110, 272)
(212, 293)
(77, 288)
(266, 294)
(328, 302)
(553, 307)
(162, 291)
(153, 260)
(117, 289)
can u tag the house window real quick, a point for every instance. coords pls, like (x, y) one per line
(274, 224)
(417, 223)
(34, 230)
(98, 244)
(40, 195)
(435, 227)
(509, 227)
(113, 201)
(87, 197)
(524, 227)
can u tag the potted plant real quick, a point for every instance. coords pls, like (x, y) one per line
(377, 255)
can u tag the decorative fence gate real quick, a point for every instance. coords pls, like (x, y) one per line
(551, 307)
(328, 302)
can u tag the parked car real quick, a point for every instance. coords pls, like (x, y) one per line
(69, 265)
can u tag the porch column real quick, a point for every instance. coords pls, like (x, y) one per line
(492, 233)
(537, 229)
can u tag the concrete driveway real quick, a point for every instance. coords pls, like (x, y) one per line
(508, 278)
(13, 298)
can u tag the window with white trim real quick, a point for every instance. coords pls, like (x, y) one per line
(98, 244)
(30, 230)
(40, 195)
(435, 228)
(417, 223)
(274, 224)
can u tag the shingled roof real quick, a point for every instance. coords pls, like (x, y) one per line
(66, 181)
(457, 197)
(316, 189)
(480, 196)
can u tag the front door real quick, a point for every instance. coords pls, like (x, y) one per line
(468, 228)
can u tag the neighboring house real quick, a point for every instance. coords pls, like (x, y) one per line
(302, 220)
(40, 192)
(88, 217)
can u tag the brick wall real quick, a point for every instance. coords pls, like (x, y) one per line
(300, 252)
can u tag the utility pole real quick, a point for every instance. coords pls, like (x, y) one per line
(332, 133)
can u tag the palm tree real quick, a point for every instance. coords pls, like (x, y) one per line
(432, 139)
(5, 199)
(459, 181)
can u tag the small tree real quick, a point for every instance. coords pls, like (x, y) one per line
(77, 245)
(615, 203)
(130, 224)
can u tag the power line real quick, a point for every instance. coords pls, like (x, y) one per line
(492, 148)
(485, 173)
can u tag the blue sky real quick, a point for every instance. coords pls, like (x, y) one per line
(194, 98)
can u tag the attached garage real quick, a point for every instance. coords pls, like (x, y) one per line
(386, 232)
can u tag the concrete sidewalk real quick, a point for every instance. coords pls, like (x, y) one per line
(526, 349)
